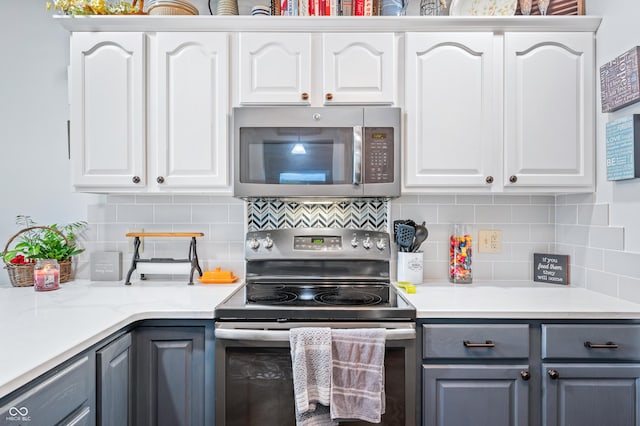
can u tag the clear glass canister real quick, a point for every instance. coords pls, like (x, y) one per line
(46, 275)
(460, 254)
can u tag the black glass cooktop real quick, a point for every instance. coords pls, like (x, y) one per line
(317, 295)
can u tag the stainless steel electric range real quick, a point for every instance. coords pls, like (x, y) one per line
(336, 278)
(316, 274)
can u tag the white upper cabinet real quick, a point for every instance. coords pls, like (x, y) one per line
(107, 88)
(316, 69)
(549, 110)
(487, 112)
(452, 133)
(188, 110)
(359, 68)
(275, 68)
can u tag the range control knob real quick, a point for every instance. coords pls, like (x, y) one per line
(268, 242)
(254, 244)
(366, 243)
(381, 244)
(354, 242)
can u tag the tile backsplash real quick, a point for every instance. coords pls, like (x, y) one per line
(568, 224)
(527, 223)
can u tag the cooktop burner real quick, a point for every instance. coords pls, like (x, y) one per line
(317, 295)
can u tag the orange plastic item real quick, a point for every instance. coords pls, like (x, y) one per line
(217, 277)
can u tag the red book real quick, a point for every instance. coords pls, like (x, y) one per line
(358, 6)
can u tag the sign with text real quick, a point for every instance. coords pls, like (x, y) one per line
(551, 268)
(619, 84)
(623, 148)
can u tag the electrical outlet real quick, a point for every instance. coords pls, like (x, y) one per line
(131, 240)
(490, 241)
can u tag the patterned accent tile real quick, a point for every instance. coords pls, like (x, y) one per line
(265, 214)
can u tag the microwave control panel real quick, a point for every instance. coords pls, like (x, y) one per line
(378, 154)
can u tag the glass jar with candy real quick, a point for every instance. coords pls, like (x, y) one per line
(460, 254)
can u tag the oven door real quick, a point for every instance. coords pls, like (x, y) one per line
(254, 384)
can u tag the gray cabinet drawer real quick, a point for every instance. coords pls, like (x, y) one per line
(52, 400)
(475, 341)
(591, 341)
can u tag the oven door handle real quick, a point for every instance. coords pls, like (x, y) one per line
(283, 335)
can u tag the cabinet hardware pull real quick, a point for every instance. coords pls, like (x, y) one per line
(608, 345)
(489, 179)
(305, 96)
(525, 375)
(553, 374)
(329, 96)
(136, 179)
(513, 178)
(486, 344)
(160, 179)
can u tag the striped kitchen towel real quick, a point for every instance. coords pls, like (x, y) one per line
(357, 387)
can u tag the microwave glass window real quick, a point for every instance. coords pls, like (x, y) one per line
(296, 155)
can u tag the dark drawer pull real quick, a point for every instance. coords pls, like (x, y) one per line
(486, 344)
(608, 345)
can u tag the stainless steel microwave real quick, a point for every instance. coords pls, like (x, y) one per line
(341, 151)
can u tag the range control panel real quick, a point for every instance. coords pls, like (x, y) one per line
(314, 243)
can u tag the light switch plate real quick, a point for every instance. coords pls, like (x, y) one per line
(490, 241)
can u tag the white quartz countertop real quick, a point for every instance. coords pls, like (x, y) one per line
(519, 300)
(39, 330)
(42, 329)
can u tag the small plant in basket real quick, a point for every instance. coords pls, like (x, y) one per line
(58, 242)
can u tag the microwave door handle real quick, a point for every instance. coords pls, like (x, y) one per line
(357, 155)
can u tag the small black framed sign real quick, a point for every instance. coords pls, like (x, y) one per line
(551, 268)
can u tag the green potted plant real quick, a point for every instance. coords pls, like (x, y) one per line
(57, 242)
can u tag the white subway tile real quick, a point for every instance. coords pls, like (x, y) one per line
(237, 213)
(121, 199)
(493, 214)
(512, 270)
(437, 199)
(210, 213)
(419, 213)
(602, 282)
(629, 289)
(511, 199)
(230, 232)
(191, 199)
(593, 214)
(606, 237)
(523, 252)
(514, 233)
(456, 214)
(474, 199)
(154, 199)
(530, 214)
(172, 213)
(482, 270)
(576, 199)
(543, 233)
(567, 214)
(543, 199)
(572, 234)
(436, 270)
(134, 213)
(577, 276)
(588, 257)
(622, 263)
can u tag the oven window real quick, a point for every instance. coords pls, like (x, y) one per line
(296, 156)
(259, 388)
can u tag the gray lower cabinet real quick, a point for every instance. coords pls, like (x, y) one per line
(114, 364)
(478, 395)
(62, 397)
(475, 374)
(591, 374)
(170, 380)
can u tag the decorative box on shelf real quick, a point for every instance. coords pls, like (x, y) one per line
(619, 85)
(623, 148)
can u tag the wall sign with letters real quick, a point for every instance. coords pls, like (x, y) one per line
(623, 148)
(551, 268)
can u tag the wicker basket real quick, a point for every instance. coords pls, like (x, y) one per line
(22, 275)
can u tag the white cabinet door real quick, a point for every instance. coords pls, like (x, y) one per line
(549, 110)
(275, 68)
(453, 134)
(359, 68)
(107, 87)
(189, 104)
